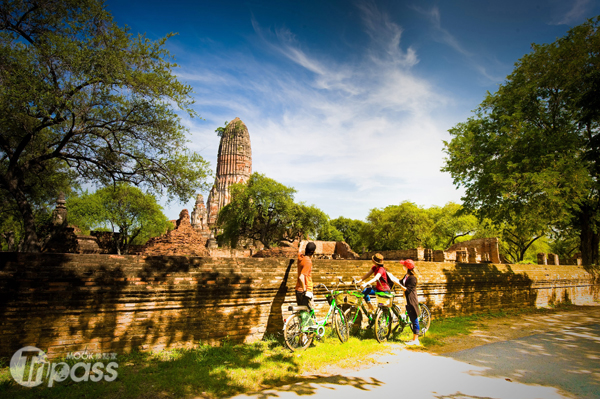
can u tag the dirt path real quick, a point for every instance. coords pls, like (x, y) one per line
(512, 327)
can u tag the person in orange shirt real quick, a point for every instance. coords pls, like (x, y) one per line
(304, 284)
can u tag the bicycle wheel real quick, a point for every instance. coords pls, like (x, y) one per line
(424, 319)
(383, 324)
(341, 326)
(293, 335)
(353, 317)
(399, 324)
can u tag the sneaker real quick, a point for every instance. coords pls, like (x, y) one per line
(415, 342)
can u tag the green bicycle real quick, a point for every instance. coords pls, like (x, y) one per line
(400, 320)
(355, 311)
(302, 326)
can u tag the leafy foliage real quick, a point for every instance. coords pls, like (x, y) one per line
(450, 223)
(530, 154)
(397, 227)
(264, 210)
(82, 99)
(330, 233)
(122, 208)
(351, 230)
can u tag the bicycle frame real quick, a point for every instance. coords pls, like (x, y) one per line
(316, 326)
(403, 319)
(361, 309)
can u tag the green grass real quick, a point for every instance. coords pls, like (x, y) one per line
(205, 371)
(235, 368)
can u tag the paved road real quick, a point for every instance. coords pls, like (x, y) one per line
(558, 364)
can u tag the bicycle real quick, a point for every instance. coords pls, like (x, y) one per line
(302, 326)
(400, 320)
(380, 320)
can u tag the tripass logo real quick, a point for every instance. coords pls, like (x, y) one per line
(29, 367)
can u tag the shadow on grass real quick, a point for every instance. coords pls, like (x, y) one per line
(206, 371)
(310, 385)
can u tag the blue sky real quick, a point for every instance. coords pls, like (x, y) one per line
(346, 101)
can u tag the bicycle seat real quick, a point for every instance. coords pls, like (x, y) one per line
(385, 294)
(297, 308)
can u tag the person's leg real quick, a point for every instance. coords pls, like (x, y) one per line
(366, 292)
(301, 299)
(414, 325)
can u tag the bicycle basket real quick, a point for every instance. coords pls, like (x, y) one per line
(385, 299)
(340, 297)
(353, 298)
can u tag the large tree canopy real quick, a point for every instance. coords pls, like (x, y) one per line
(264, 210)
(401, 226)
(122, 209)
(83, 100)
(530, 156)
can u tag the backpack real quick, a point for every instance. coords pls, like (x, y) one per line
(391, 284)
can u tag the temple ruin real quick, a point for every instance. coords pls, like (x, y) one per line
(234, 165)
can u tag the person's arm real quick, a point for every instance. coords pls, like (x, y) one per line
(393, 278)
(302, 279)
(365, 276)
(374, 279)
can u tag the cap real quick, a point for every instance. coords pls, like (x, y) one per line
(408, 263)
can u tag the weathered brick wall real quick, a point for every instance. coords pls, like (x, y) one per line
(417, 254)
(68, 302)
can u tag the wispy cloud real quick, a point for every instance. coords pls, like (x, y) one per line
(442, 35)
(575, 14)
(329, 127)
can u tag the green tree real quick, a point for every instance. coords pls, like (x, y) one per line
(330, 233)
(82, 99)
(125, 209)
(401, 226)
(450, 222)
(351, 230)
(264, 210)
(530, 154)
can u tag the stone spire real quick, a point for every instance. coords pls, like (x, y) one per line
(234, 165)
(199, 214)
(59, 215)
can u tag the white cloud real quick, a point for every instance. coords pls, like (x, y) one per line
(348, 136)
(575, 15)
(442, 35)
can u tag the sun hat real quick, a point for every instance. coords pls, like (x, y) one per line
(378, 259)
(408, 263)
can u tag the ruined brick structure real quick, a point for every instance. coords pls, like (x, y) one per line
(183, 240)
(234, 165)
(330, 250)
(64, 303)
(64, 238)
(481, 249)
(200, 217)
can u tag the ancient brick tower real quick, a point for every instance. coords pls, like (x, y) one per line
(234, 165)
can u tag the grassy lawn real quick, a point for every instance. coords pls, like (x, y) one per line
(233, 368)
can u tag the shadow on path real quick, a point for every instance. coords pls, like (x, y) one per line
(310, 386)
(568, 359)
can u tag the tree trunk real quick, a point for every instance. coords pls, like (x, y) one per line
(31, 242)
(590, 240)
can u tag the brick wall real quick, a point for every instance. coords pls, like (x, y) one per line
(68, 302)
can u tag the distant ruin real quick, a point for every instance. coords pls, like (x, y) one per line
(195, 235)
(234, 165)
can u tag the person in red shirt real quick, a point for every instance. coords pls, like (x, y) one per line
(380, 277)
(304, 284)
